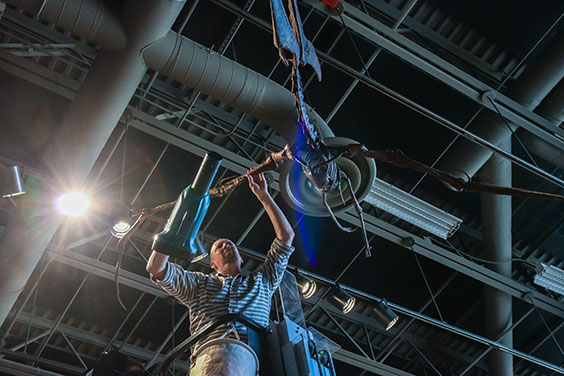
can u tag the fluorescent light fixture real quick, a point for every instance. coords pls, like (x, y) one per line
(73, 204)
(11, 181)
(550, 277)
(411, 209)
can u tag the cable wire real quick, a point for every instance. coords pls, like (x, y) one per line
(472, 258)
(355, 46)
(550, 332)
(428, 286)
(513, 132)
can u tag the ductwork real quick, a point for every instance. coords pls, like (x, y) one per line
(496, 225)
(552, 106)
(215, 75)
(86, 127)
(552, 109)
(538, 81)
(92, 20)
(543, 149)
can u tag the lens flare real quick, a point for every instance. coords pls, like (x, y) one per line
(72, 204)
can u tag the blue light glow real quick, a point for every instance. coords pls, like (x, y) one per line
(308, 227)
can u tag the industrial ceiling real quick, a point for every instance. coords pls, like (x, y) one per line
(126, 97)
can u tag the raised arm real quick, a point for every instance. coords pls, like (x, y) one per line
(157, 265)
(282, 227)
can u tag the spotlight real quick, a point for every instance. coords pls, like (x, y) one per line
(73, 204)
(307, 286)
(120, 229)
(10, 181)
(384, 314)
(121, 220)
(342, 300)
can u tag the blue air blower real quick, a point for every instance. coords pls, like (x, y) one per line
(179, 237)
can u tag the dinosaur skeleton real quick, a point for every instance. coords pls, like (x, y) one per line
(315, 157)
(318, 161)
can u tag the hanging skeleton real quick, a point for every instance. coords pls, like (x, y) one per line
(310, 151)
(317, 160)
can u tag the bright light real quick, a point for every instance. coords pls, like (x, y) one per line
(120, 229)
(73, 204)
(309, 289)
(349, 305)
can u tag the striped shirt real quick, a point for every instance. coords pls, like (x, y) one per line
(208, 296)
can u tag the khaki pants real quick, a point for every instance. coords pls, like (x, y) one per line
(225, 357)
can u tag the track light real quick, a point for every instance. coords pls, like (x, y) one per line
(411, 209)
(550, 277)
(384, 314)
(342, 300)
(11, 181)
(121, 220)
(307, 286)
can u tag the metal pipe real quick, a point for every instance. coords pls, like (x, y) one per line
(552, 109)
(496, 224)
(89, 19)
(232, 83)
(86, 127)
(540, 78)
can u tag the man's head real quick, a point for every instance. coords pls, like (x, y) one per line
(225, 257)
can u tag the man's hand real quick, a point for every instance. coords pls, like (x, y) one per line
(259, 186)
(282, 228)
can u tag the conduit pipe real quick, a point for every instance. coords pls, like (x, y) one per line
(496, 224)
(229, 82)
(552, 109)
(86, 126)
(89, 19)
(546, 151)
(536, 83)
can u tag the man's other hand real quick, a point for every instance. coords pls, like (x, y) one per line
(259, 186)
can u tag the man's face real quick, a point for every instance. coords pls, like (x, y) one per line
(223, 254)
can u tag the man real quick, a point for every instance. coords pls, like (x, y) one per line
(228, 291)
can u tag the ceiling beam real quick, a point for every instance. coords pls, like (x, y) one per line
(18, 369)
(95, 339)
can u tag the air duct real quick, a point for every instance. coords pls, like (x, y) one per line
(540, 78)
(92, 20)
(217, 76)
(496, 224)
(86, 126)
